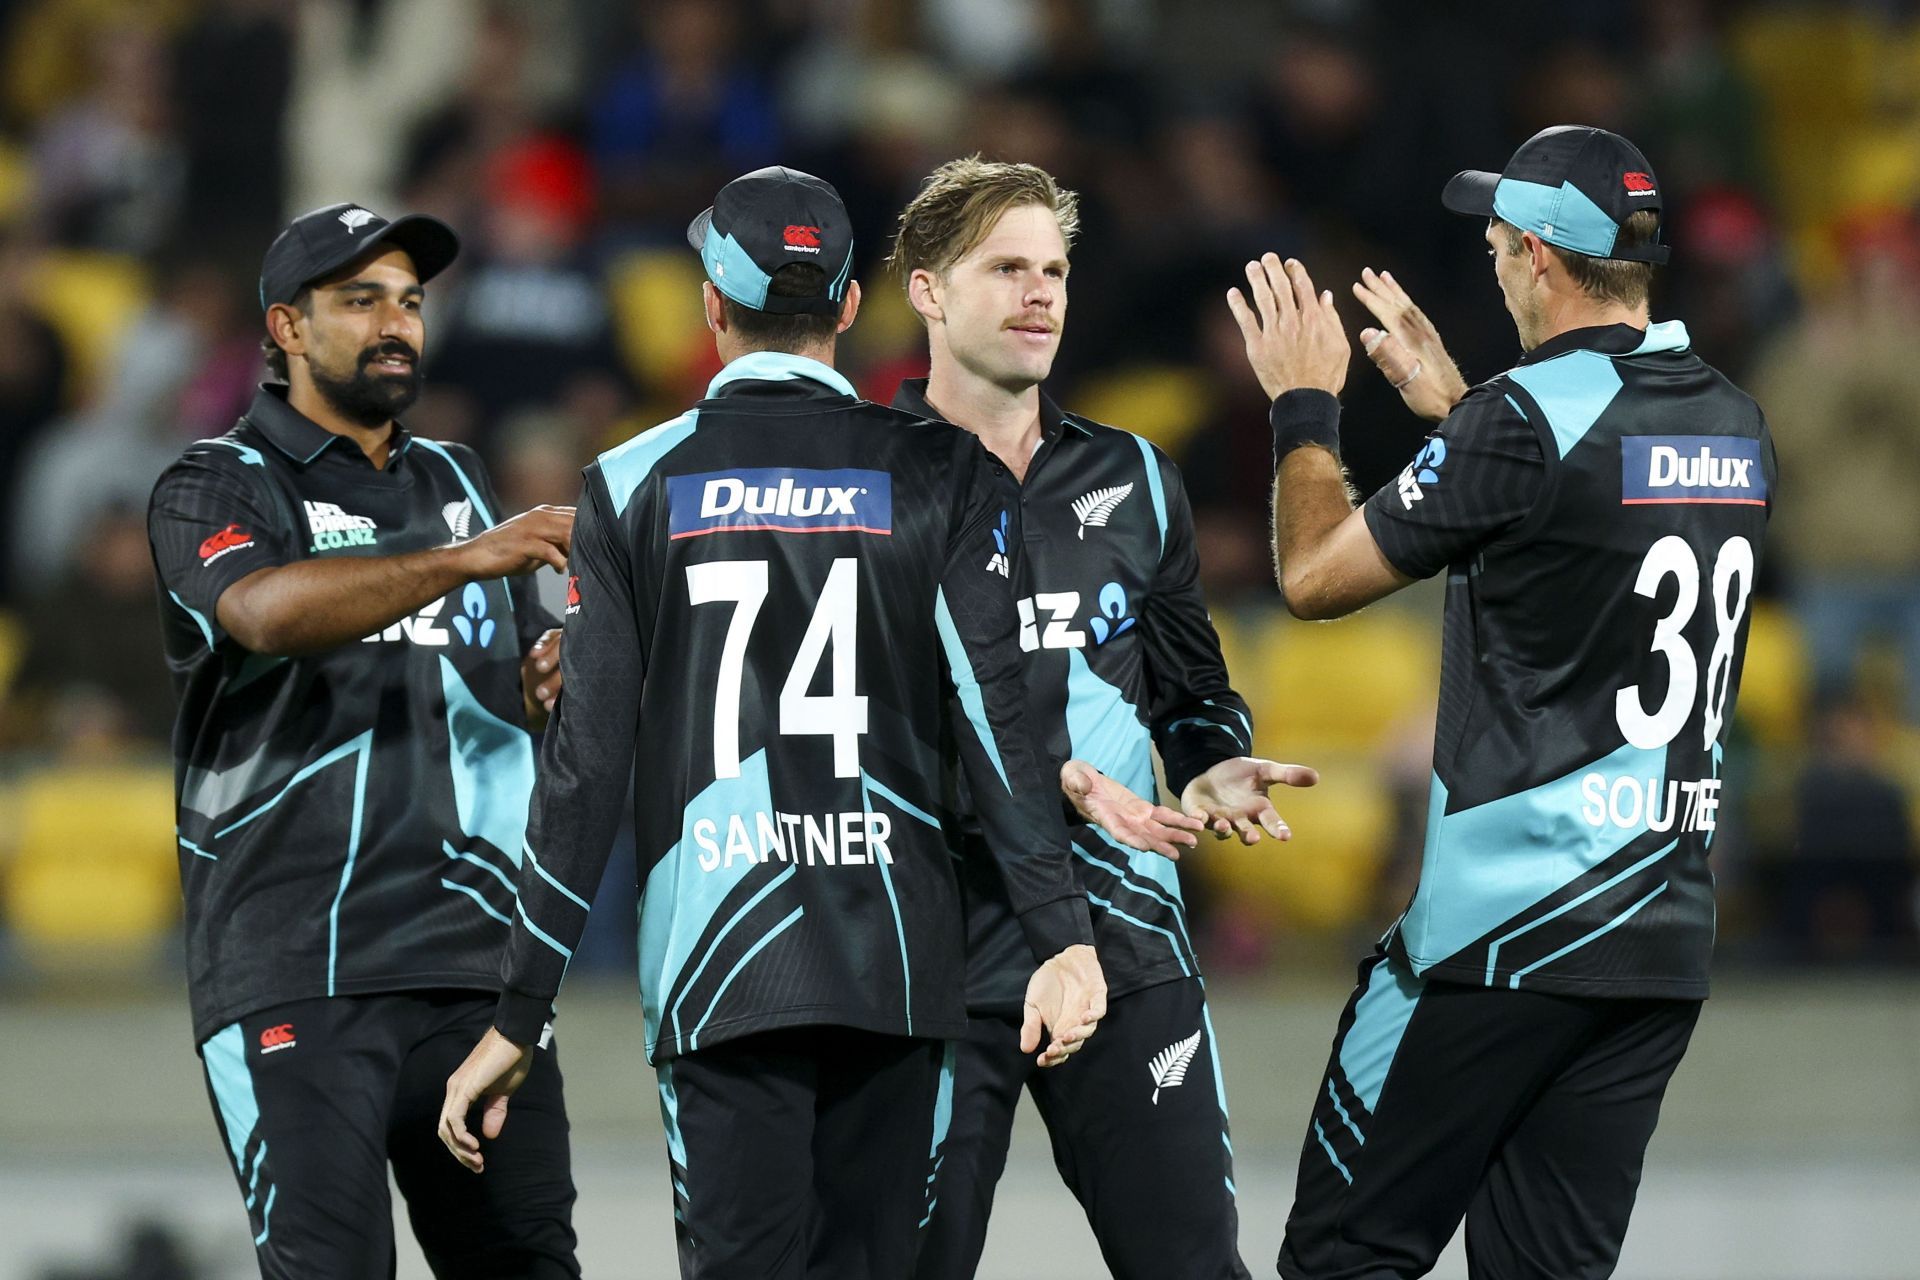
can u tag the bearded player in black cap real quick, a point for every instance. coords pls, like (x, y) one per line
(791, 612)
(1599, 510)
(357, 660)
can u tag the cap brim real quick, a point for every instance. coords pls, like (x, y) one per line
(697, 229)
(1470, 193)
(430, 242)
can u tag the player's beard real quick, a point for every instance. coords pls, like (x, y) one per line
(367, 398)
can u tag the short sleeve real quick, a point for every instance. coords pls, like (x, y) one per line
(212, 521)
(1474, 481)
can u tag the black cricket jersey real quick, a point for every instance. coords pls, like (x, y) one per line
(1599, 510)
(350, 821)
(773, 596)
(1121, 657)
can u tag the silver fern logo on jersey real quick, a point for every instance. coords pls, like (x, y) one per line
(1169, 1066)
(1094, 509)
(459, 518)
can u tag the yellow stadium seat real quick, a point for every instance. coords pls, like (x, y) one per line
(89, 299)
(1345, 683)
(657, 317)
(1323, 879)
(1775, 678)
(94, 880)
(1164, 403)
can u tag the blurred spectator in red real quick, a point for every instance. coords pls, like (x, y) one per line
(111, 172)
(1848, 890)
(232, 69)
(1843, 391)
(682, 116)
(33, 375)
(528, 316)
(1729, 279)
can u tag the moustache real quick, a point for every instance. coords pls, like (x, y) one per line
(391, 348)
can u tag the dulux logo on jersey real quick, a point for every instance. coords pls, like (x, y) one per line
(780, 500)
(1709, 469)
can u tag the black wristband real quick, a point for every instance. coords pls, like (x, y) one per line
(1302, 416)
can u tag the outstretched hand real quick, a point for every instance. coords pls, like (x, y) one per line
(1231, 798)
(1406, 348)
(1133, 821)
(1293, 336)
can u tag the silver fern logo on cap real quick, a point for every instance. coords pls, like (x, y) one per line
(1094, 509)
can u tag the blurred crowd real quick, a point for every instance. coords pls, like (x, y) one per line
(150, 150)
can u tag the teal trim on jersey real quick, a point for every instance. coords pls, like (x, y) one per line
(1163, 881)
(461, 855)
(1245, 720)
(626, 466)
(532, 860)
(485, 906)
(712, 948)
(779, 366)
(1573, 390)
(1380, 1020)
(1219, 1076)
(225, 1054)
(942, 1122)
(733, 271)
(1173, 943)
(566, 952)
(491, 761)
(248, 455)
(193, 848)
(253, 1179)
(693, 1040)
(1104, 729)
(1517, 409)
(266, 1216)
(670, 1115)
(965, 685)
(460, 473)
(360, 745)
(1668, 335)
(1577, 943)
(1340, 1109)
(887, 793)
(1562, 215)
(868, 787)
(680, 900)
(199, 618)
(1326, 1146)
(1483, 866)
(1493, 952)
(1155, 489)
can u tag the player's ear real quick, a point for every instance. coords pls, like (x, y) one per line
(283, 324)
(923, 292)
(710, 300)
(1539, 256)
(849, 307)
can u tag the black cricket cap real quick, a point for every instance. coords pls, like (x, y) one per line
(763, 220)
(321, 241)
(1572, 185)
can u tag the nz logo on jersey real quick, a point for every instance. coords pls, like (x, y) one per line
(780, 500)
(430, 628)
(997, 562)
(1707, 469)
(1424, 470)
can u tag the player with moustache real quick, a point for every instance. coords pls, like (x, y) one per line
(358, 662)
(1121, 659)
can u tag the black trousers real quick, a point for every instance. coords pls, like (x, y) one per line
(1138, 1124)
(315, 1098)
(1527, 1114)
(800, 1153)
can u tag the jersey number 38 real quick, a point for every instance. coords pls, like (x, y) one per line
(1732, 584)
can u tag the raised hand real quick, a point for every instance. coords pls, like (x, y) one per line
(1293, 336)
(1133, 821)
(1232, 797)
(1407, 348)
(1066, 996)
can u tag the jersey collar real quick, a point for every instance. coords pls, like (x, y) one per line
(779, 366)
(300, 437)
(912, 398)
(1614, 340)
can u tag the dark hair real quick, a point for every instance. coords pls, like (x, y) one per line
(275, 357)
(1609, 279)
(772, 330)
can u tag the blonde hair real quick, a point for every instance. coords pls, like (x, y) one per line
(960, 202)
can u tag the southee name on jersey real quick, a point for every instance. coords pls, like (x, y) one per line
(780, 500)
(1713, 469)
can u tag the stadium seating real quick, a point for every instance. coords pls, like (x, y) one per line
(93, 881)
